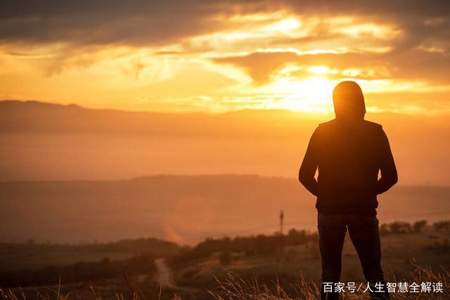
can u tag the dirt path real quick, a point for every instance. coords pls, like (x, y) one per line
(163, 275)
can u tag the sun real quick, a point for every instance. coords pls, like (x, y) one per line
(312, 94)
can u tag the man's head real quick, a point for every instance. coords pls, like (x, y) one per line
(348, 101)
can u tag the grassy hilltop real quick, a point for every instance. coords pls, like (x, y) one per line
(247, 267)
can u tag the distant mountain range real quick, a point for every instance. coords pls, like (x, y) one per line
(184, 209)
(43, 117)
(44, 141)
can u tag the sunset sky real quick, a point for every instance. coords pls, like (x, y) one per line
(218, 56)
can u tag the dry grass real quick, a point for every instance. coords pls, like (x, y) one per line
(233, 287)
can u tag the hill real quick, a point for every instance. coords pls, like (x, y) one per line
(44, 141)
(184, 209)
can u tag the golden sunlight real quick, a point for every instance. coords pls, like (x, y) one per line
(312, 94)
(287, 24)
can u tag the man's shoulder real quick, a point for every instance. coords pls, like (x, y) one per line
(324, 127)
(327, 124)
(367, 126)
(332, 123)
(373, 125)
(372, 128)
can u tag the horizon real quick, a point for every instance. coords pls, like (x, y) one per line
(76, 104)
(198, 176)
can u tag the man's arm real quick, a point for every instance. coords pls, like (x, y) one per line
(309, 166)
(387, 167)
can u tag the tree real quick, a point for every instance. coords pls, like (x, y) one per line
(441, 226)
(400, 227)
(419, 225)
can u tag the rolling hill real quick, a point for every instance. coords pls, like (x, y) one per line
(183, 209)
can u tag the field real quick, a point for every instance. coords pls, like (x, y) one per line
(248, 267)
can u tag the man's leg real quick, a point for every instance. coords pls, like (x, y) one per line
(331, 239)
(365, 237)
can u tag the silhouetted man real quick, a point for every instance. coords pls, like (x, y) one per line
(349, 153)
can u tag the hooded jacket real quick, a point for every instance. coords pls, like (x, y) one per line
(348, 153)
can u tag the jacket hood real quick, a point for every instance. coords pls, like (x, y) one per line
(348, 101)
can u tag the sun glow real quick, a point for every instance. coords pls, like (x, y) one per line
(312, 94)
(287, 24)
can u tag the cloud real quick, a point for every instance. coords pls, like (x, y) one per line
(144, 47)
(418, 28)
(102, 22)
(140, 22)
(261, 66)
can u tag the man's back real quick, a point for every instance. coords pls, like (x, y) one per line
(348, 156)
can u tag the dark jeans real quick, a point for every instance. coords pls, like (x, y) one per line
(365, 237)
